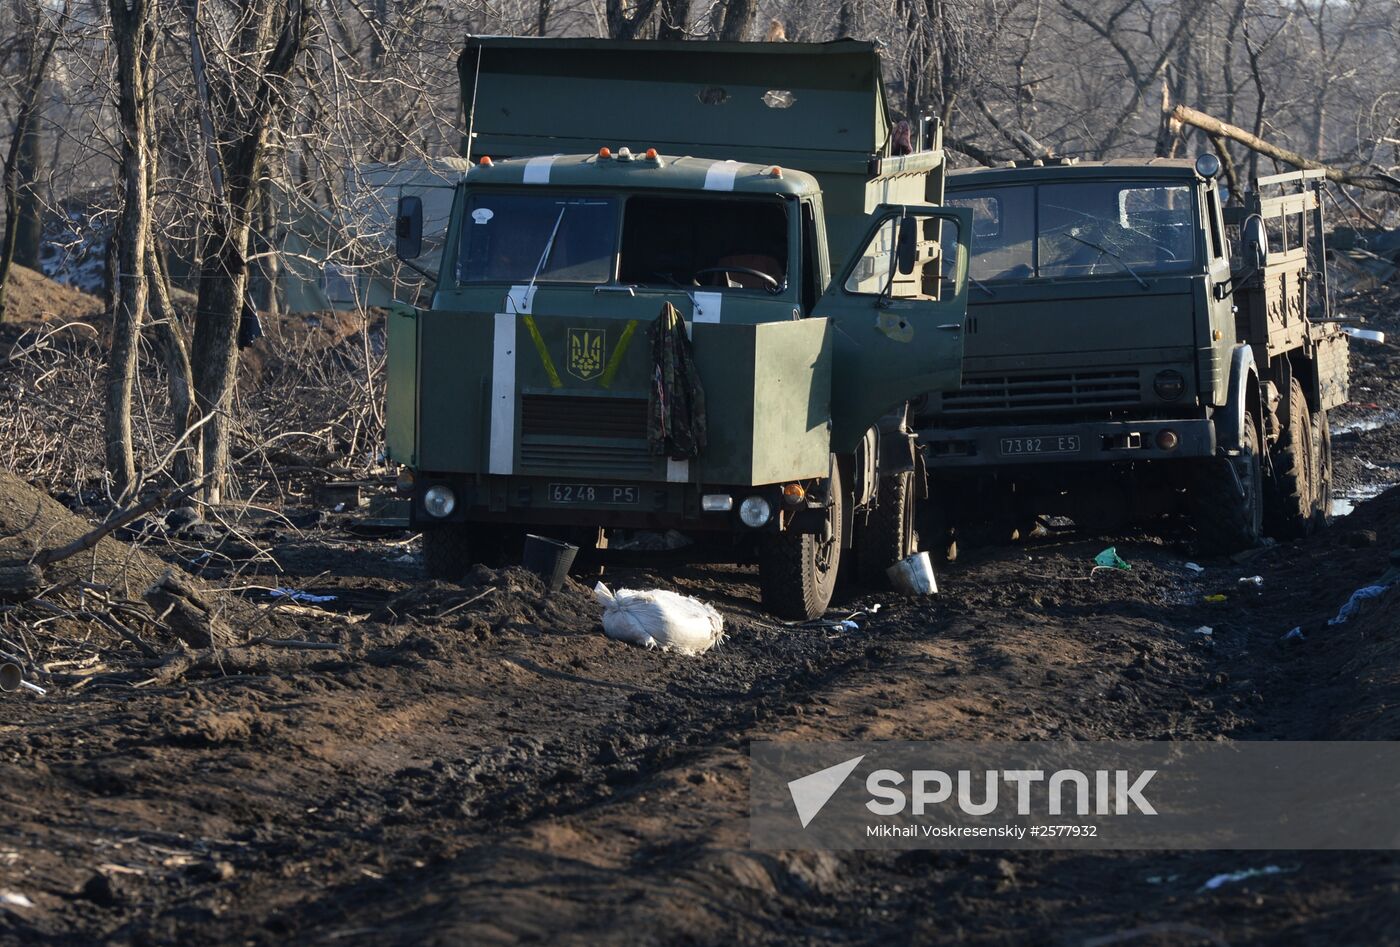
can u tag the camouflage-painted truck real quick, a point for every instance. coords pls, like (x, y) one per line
(763, 191)
(1133, 348)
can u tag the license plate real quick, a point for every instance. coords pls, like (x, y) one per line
(1046, 444)
(592, 493)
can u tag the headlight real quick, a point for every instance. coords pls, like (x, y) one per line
(439, 501)
(755, 511)
(1169, 385)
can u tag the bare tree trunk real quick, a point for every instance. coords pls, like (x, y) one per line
(134, 35)
(18, 178)
(265, 52)
(174, 352)
(738, 20)
(675, 18)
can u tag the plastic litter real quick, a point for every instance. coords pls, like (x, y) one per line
(1109, 559)
(15, 899)
(1255, 580)
(296, 595)
(659, 619)
(1353, 604)
(1215, 599)
(1295, 635)
(1230, 877)
(1195, 568)
(1205, 630)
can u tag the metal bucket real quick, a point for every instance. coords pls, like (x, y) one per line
(549, 559)
(12, 679)
(913, 575)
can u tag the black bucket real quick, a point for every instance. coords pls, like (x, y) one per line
(549, 559)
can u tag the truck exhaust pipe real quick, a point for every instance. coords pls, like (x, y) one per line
(12, 679)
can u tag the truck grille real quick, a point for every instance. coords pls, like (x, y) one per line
(561, 434)
(1066, 391)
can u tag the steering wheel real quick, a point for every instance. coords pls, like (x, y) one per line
(772, 286)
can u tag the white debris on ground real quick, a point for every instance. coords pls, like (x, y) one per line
(659, 619)
(1231, 877)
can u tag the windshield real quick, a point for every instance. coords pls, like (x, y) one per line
(733, 243)
(1098, 228)
(523, 238)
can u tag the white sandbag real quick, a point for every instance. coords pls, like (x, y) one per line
(659, 619)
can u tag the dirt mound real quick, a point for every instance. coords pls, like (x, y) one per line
(491, 601)
(31, 521)
(33, 297)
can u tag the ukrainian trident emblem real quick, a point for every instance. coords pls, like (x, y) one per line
(586, 349)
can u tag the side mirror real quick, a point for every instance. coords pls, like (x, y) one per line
(1256, 241)
(907, 246)
(408, 227)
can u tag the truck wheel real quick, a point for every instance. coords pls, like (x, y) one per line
(1227, 522)
(887, 535)
(1290, 496)
(1322, 469)
(797, 571)
(447, 550)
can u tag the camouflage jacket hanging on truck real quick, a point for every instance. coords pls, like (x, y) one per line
(676, 413)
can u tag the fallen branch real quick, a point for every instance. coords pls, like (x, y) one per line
(114, 522)
(1369, 178)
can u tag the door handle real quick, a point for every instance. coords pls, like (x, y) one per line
(951, 327)
(629, 290)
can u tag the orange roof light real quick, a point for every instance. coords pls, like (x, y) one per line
(651, 154)
(777, 172)
(486, 161)
(605, 152)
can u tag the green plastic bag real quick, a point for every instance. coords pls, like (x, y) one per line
(1109, 559)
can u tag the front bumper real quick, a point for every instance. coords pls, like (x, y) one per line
(529, 501)
(1067, 443)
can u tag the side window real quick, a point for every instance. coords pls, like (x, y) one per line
(931, 273)
(873, 269)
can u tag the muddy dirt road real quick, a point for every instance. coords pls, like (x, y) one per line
(476, 764)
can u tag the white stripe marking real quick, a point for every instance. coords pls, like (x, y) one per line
(522, 298)
(720, 176)
(537, 169)
(677, 471)
(502, 459)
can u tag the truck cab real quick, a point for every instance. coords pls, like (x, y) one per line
(815, 286)
(1109, 373)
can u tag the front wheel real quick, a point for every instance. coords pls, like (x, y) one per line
(1227, 504)
(797, 571)
(887, 534)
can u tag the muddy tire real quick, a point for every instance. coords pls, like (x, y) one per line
(447, 550)
(1322, 469)
(1225, 521)
(1290, 493)
(797, 571)
(887, 534)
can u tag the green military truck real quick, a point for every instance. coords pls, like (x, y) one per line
(763, 192)
(1133, 348)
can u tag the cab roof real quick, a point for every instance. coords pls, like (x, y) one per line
(701, 175)
(1179, 169)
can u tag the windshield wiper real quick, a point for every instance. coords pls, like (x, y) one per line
(1105, 250)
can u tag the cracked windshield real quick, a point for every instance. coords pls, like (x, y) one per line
(1076, 230)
